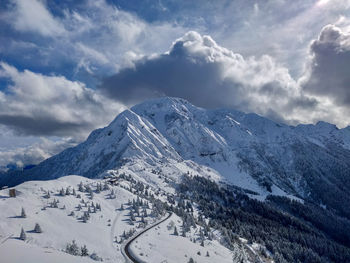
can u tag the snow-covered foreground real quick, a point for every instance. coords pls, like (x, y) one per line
(60, 227)
(154, 246)
(14, 251)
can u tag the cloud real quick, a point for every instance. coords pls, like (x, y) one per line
(36, 104)
(34, 153)
(89, 39)
(32, 15)
(328, 71)
(198, 69)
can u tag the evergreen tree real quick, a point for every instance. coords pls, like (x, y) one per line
(84, 251)
(73, 249)
(23, 213)
(175, 231)
(37, 228)
(80, 187)
(23, 235)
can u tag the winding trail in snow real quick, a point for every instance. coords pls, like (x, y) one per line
(127, 246)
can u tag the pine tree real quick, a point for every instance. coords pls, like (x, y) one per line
(175, 231)
(67, 191)
(23, 213)
(74, 193)
(23, 235)
(80, 187)
(84, 251)
(73, 249)
(207, 254)
(37, 228)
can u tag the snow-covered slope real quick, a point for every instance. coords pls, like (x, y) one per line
(246, 150)
(103, 233)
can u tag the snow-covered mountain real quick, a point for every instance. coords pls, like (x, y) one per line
(247, 150)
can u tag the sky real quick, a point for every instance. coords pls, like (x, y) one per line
(68, 67)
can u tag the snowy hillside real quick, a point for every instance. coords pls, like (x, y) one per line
(241, 149)
(59, 208)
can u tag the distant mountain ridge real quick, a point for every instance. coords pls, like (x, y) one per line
(308, 161)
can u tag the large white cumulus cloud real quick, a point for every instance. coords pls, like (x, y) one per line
(36, 104)
(328, 72)
(198, 69)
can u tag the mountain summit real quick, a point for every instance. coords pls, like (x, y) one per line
(229, 146)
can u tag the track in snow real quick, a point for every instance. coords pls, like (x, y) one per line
(126, 248)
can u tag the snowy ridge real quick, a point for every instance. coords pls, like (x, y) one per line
(246, 150)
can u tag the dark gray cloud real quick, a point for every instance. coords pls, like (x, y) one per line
(328, 72)
(44, 125)
(208, 75)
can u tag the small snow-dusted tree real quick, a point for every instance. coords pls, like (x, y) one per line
(239, 254)
(144, 212)
(23, 235)
(122, 207)
(84, 251)
(207, 255)
(74, 193)
(67, 191)
(62, 192)
(81, 187)
(175, 231)
(73, 249)
(183, 232)
(111, 195)
(48, 194)
(37, 228)
(23, 213)
(202, 243)
(191, 260)
(105, 186)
